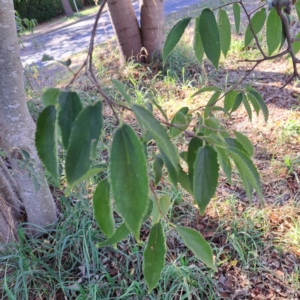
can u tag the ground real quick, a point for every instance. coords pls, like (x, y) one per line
(256, 247)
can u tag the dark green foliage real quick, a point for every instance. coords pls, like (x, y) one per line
(44, 10)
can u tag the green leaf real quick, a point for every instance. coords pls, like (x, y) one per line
(210, 36)
(206, 172)
(237, 102)
(245, 142)
(160, 110)
(90, 173)
(248, 108)
(158, 132)
(174, 36)
(46, 140)
(157, 167)
(257, 21)
(161, 208)
(47, 57)
(121, 88)
(83, 141)
(184, 181)
(254, 103)
(225, 32)
(198, 47)
(211, 102)
(171, 170)
(50, 96)
(224, 162)
(237, 16)
(129, 179)
(296, 45)
(121, 232)
(194, 144)
(70, 107)
(247, 170)
(274, 31)
(213, 125)
(66, 63)
(235, 144)
(229, 100)
(219, 108)
(207, 89)
(102, 208)
(297, 5)
(261, 102)
(183, 155)
(197, 244)
(154, 256)
(181, 122)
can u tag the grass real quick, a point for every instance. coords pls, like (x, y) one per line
(256, 248)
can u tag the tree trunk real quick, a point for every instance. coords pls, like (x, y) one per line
(126, 27)
(67, 8)
(152, 26)
(23, 187)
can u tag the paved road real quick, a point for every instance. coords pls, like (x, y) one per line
(72, 39)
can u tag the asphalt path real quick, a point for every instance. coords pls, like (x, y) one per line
(74, 38)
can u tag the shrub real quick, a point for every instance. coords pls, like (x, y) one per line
(44, 10)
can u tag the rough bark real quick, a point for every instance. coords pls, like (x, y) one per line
(23, 186)
(126, 27)
(67, 8)
(152, 27)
